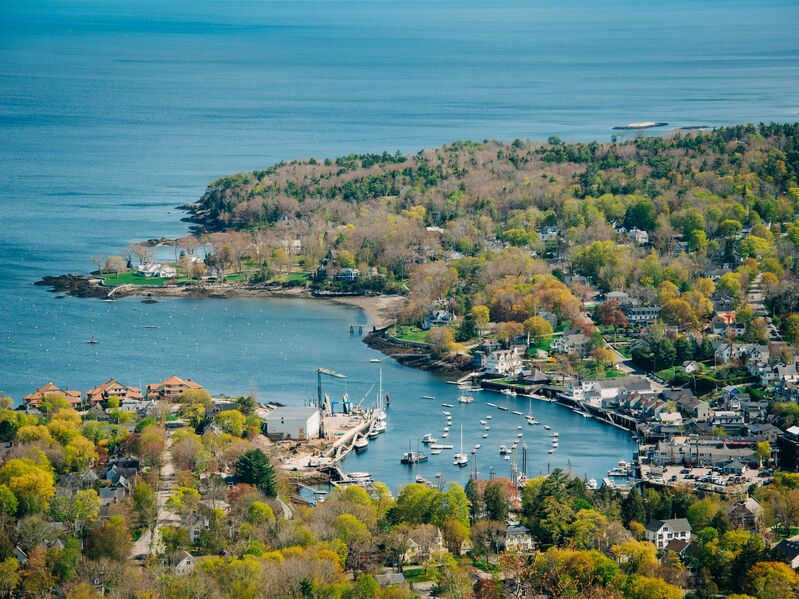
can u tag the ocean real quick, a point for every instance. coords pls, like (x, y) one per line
(113, 113)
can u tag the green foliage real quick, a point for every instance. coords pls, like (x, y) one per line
(255, 468)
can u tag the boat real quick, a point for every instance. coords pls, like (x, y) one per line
(380, 426)
(483, 422)
(641, 125)
(489, 417)
(555, 444)
(421, 480)
(551, 450)
(373, 434)
(465, 399)
(517, 413)
(530, 420)
(510, 392)
(361, 444)
(503, 408)
(375, 360)
(547, 427)
(477, 446)
(555, 434)
(503, 450)
(446, 429)
(486, 428)
(441, 446)
(507, 457)
(460, 459)
(592, 484)
(491, 405)
(446, 413)
(520, 435)
(412, 457)
(428, 396)
(485, 435)
(93, 340)
(151, 326)
(445, 435)
(361, 479)
(518, 428)
(428, 438)
(435, 452)
(447, 405)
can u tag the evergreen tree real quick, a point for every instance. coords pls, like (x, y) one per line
(632, 507)
(255, 468)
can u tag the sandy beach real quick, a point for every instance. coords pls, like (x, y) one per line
(380, 309)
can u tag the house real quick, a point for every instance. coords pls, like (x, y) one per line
(730, 420)
(571, 343)
(438, 318)
(391, 579)
(641, 315)
(787, 551)
(183, 562)
(788, 450)
(661, 532)
(519, 539)
(747, 514)
(697, 408)
(726, 352)
(702, 450)
(293, 422)
(113, 388)
(348, 274)
(721, 322)
(155, 269)
(772, 374)
(504, 362)
(606, 392)
(171, 388)
(678, 546)
(35, 399)
(618, 296)
(637, 236)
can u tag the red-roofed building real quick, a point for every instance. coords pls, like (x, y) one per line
(171, 388)
(113, 388)
(35, 398)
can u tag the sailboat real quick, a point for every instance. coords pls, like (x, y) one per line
(461, 459)
(530, 419)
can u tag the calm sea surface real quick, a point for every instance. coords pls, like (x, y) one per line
(112, 113)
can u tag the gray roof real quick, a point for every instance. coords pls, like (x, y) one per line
(675, 524)
(788, 548)
(292, 412)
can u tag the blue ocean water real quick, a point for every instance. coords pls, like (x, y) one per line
(114, 112)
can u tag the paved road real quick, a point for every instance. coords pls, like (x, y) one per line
(756, 298)
(144, 546)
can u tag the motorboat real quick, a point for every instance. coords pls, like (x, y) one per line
(93, 340)
(380, 426)
(486, 428)
(483, 422)
(547, 427)
(375, 360)
(503, 450)
(489, 417)
(551, 450)
(477, 446)
(503, 408)
(592, 484)
(520, 435)
(466, 399)
(507, 457)
(445, 435)
(491, 405)
(447, 405)
(509, 392)
(361, 444)
(413, 457)
(428, 397)
(517, 413)
(428, 438)
(446, 413)
(518, 428)
(485, 435)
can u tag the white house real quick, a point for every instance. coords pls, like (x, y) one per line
(156, 270)
(293, 422)
(660, 532)
(519, 539)
(637, 236)
(183, 562)
(348, 274)
(569, 343)
(437, 318)
(505, 362)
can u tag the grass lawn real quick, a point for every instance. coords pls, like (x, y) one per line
(669, 373)
(409, 333)
(292, 277)
(416, 575)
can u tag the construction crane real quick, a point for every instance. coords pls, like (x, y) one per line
(321, 404)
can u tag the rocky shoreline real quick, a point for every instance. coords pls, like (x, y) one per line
(418, 357)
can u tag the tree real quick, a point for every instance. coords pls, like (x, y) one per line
(647, 587)
(110, 538)
(763, 452)
(255, 468)
(636, 557)
(9, 576)
(497, 504)
(77, 510)
(31, 484)
(678, 312)
(454, 534)
(441, 340)
(80, 453)
(537, 328)
(641, 214)
(144, 504)
(772, 580)
(588, 529)
(481, 316)
(610, 314)
(231, 421)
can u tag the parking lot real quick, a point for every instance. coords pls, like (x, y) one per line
(702, 478)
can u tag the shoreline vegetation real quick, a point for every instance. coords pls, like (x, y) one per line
(491, 244)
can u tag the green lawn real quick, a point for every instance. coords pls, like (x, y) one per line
(409, 333)
(669, 373)
(130, 278)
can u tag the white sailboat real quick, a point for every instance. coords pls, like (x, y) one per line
(461, 459)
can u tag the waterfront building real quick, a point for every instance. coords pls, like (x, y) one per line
(704, 450)
(293, 422)
(571, 343)
(155, 270)
(504, 362)
(438, 318)
(35, 399)
(661, 532)
(348, 274)
(113, 388)
(171, 388)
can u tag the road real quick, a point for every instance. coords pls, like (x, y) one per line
(144, 545)
(755, 298)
